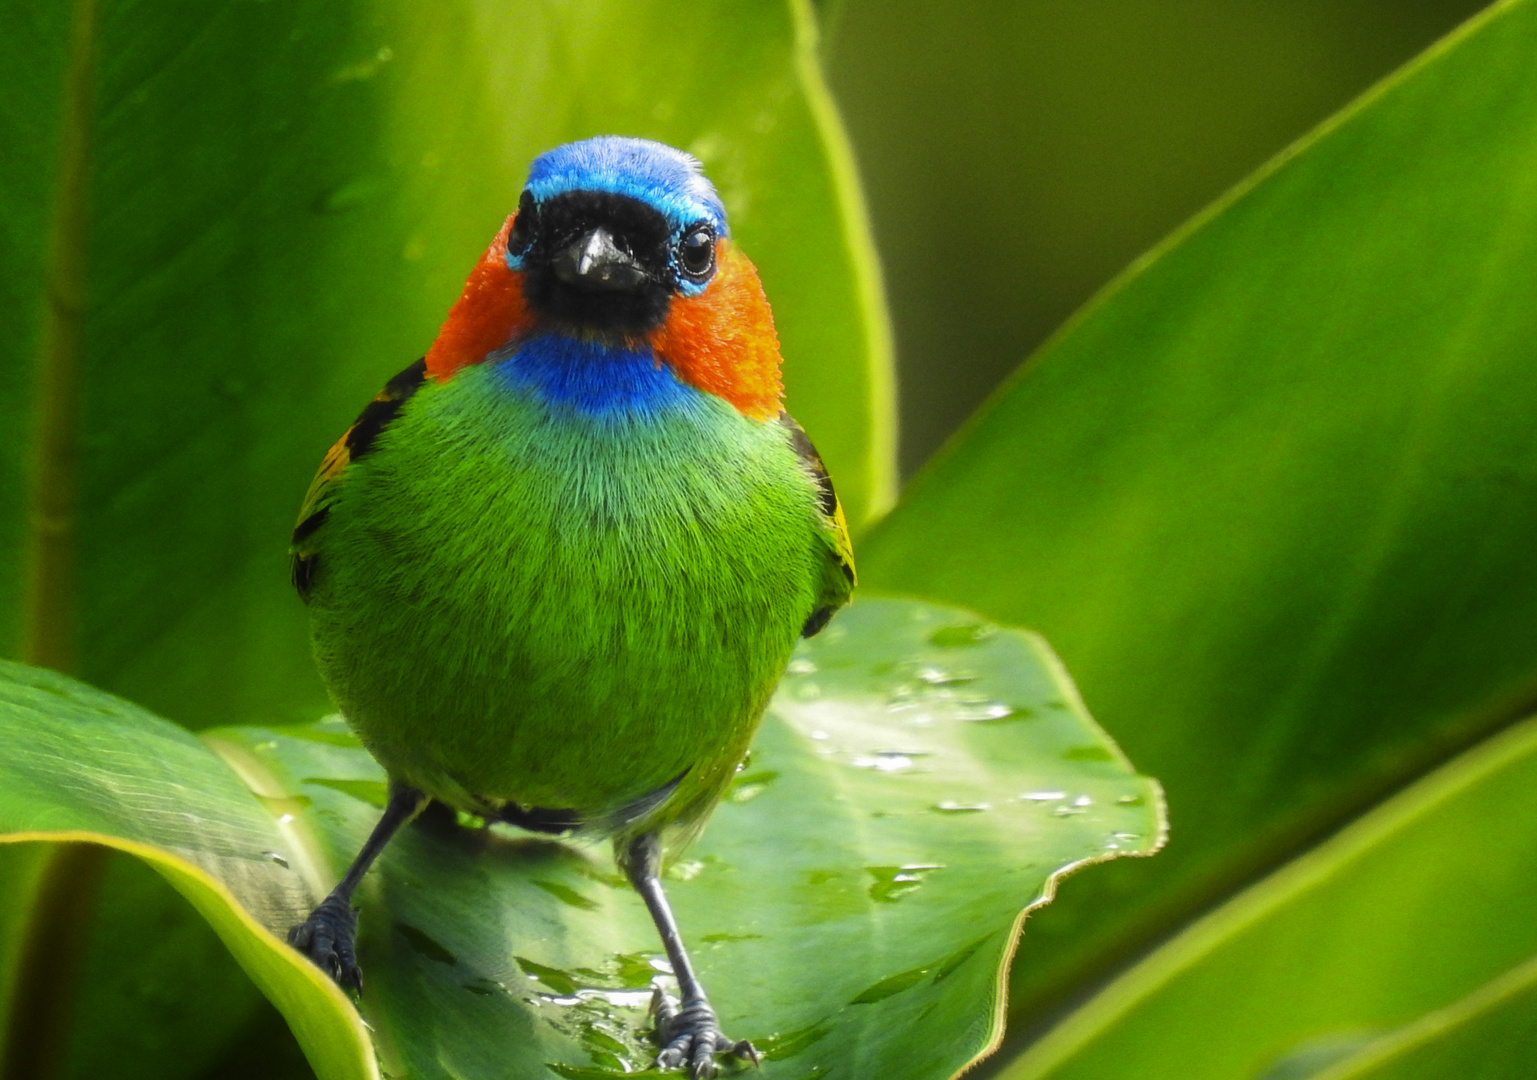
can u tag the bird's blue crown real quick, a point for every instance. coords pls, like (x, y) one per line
(667, 179)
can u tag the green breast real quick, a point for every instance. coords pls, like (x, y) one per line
(525, 601)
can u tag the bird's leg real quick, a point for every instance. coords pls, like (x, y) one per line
(327, 936)
(688, 1033)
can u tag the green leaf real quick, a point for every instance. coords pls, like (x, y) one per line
(919, 782)
(1271, 495)
(84, 768)
(1489, 1034)
(1373, 953)
(226, 224)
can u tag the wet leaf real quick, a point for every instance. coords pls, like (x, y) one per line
(83, 768)
(835, 916)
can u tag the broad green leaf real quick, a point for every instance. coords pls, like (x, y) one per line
(249, 215)
(1271, 494)
(1374, 948)
(923, 778)
(1490, 1034)
(82, 768)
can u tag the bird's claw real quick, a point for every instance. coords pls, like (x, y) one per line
(692, 1036)
(327, 937)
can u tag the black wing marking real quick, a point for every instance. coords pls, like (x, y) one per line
(802, 445)
(378, 413)
(303, 555)
(839, 545)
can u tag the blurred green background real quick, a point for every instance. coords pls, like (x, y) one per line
(1018, 155)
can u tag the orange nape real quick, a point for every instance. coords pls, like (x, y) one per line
(488, 314)
(722, 341)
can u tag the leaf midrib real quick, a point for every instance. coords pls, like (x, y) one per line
(49, 582)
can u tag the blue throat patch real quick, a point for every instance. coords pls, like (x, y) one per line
(594, 379)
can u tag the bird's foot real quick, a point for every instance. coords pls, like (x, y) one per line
(327, 937)
(692, 1036)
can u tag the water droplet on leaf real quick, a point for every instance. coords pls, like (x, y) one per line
(1089, 753)
(285, 807)
(887, 987)
(954, 637)
(424, 944)
(892, 883)
(751, 786)
(557, 980)
(567, 895)
(935, 676)
(779, 1047)
(991, 713)
(887, 761)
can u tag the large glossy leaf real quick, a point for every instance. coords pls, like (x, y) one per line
(84, 768)
(224, 225)
(1381, 947)
(1271, 495)
(922, 779)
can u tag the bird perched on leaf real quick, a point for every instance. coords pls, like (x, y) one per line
(556, 568)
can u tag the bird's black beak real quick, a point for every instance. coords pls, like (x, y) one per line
(594, 261)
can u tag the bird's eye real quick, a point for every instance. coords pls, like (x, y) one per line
(696, 254)
(522, 233)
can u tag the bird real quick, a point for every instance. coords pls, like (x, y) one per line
(556, 568)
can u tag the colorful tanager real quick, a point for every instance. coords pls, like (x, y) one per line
(556, 568)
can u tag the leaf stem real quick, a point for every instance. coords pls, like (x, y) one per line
(48, 615)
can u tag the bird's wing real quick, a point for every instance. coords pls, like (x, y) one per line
(838, 584)
(303, 549)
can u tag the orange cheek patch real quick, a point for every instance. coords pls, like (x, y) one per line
(722, 341)
(488, 314)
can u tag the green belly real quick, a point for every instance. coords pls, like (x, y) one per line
(522, 605)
